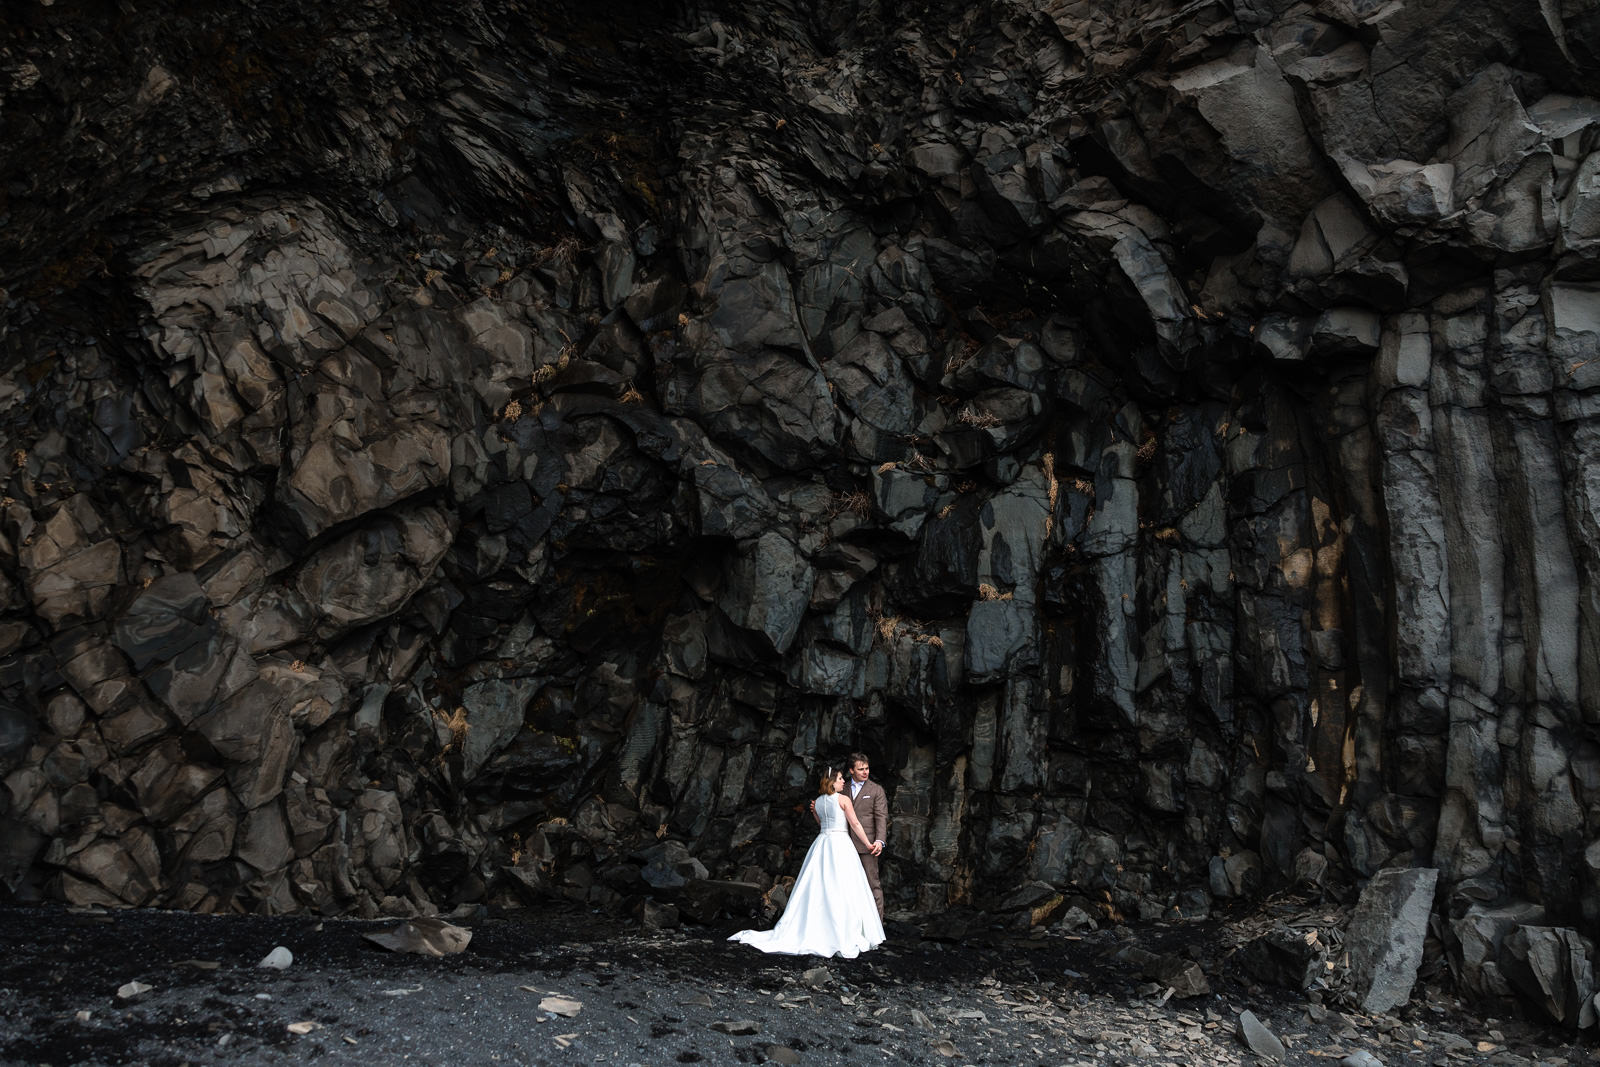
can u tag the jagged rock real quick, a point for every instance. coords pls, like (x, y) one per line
(1236, 875)
(1310, 868)
(730, 503)
(736, 1026)
(1489, 131)
(1075, 919)
(338, 479)
(997, 631)
(1184, 977)
(263, 839)
(1345, 332)
(1361, 1058)
(1285, 957)
(1385, 936)
(369, 574)
(495, 713)
(258, 743)
(1553, 969)
(653, 916)
(1580, 219)
(1139, 957)
(423, 936)
(167, 619)
(707, 899)
(1283, 337)
(1262, 1041)
(20, 848)
(1159, 464)
(563, 1006)
(1402, 192)
(1479, 935)
(1039, 902)
(123, 870)
(669, 866)
(767, 589)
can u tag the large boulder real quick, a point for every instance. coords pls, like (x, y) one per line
(1386, 934)
(1479, 935)
(1553, 969)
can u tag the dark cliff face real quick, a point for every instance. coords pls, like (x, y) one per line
(451, 448)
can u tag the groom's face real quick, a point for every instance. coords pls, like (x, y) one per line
(859, 770)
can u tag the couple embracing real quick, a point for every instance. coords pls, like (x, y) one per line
(836, 905)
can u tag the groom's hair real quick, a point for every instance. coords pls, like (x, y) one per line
(855, 758)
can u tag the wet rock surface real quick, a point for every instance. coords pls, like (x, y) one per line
(452, 451)
(561, 983)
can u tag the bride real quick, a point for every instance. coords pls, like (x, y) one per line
(830, 911)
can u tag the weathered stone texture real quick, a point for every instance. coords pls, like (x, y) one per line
(449, 455)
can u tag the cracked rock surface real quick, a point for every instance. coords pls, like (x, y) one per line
(451, 450)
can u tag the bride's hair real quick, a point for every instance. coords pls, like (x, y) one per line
(829, 776)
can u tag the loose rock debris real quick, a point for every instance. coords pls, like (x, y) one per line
(561, 1006)
(632, 996)
(425, 937)
(736, 1026)
(1262, 1042)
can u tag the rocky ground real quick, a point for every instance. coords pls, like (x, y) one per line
(564, 985)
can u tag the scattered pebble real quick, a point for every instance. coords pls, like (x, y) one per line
(278, 959)
(737, 1026)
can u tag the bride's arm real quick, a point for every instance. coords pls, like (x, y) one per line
(850, 817)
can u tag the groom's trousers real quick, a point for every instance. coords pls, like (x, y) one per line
(870, 863)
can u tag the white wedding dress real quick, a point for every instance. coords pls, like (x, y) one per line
(831, 911)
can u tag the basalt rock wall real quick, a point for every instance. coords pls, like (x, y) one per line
(461, 452)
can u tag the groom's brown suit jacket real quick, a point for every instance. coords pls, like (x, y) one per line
(872, 808)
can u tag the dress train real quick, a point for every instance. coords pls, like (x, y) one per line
(831, 911)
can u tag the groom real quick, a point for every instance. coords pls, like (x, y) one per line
(872, 808)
